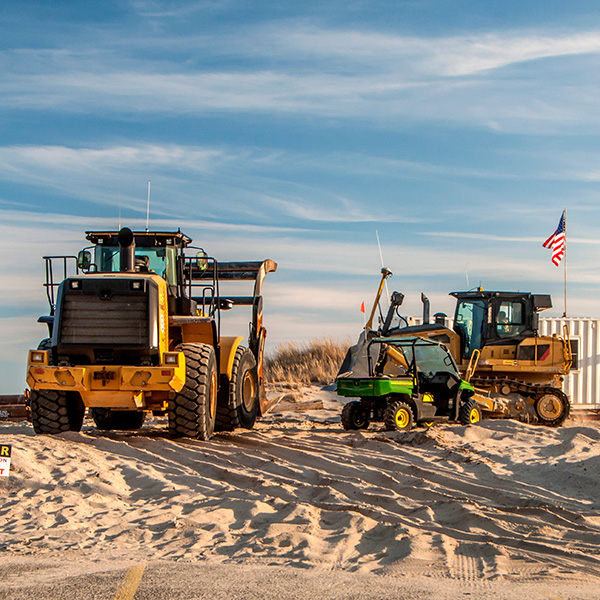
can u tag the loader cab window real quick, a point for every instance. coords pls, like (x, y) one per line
(510, 319)
(469, 324)
(160, 260)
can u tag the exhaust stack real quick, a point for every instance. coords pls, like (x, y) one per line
(425, 301)
(127, 250)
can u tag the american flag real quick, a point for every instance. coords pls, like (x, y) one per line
(557, 242)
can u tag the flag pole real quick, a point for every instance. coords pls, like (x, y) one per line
(565, 313)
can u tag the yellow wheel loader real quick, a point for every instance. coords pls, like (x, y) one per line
(135, 327)
(494, 339)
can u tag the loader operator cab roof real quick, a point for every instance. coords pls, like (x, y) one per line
(155, 252)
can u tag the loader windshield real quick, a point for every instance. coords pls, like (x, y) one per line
(157, 260)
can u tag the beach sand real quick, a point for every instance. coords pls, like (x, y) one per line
(503, 504)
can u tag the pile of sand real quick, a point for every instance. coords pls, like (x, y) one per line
(500, 500)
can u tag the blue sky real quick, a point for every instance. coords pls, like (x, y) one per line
(296, 130)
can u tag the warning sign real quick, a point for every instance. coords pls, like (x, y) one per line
(5, 451)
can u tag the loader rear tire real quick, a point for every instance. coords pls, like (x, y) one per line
(192, 411)
(355, 416)
(54, 411)
(469, 413)
(122, 420)
(238, 404)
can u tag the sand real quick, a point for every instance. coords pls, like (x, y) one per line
(500, 502)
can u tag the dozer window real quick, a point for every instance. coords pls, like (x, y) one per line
(510, 319)
(158, 260)
(469, 323)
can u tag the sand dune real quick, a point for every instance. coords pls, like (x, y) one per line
(500, 500)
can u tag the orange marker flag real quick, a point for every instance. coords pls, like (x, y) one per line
(362, 307)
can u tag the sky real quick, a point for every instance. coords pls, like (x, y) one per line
(455, 131)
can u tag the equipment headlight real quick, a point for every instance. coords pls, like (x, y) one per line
(38, 357)
(171, 358)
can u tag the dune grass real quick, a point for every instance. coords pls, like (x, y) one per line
(316, 361)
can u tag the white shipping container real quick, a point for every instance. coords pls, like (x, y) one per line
(582, 383)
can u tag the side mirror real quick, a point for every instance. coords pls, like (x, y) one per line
(201, 260)
(84, 260)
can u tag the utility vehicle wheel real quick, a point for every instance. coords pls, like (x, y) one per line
(552, 409)
(398, 416)
(469, 413)
(192, 411)
(355, 416)
(238, 402)
(55, 411)
(107, 419)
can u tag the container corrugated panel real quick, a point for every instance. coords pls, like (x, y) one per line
(582, 385)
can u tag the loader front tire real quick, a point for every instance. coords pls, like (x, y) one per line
(192, 410)
(54, 411)
(238, 404)
(122, 420)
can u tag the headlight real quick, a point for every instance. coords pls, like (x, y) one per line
(38, 357)
(171, 358)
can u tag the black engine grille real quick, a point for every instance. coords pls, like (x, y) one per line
(121, 320)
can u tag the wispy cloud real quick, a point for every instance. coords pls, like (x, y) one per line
(295, 68)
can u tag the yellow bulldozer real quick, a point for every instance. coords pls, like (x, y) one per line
(135, 328)
(495, 341)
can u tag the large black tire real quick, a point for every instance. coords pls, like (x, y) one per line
(54, 411)
(355, 416)
(552, 409)
(45, 344)
(238, 401)
(192, 411)
(107, 419)
(469, 413)
(398, 416)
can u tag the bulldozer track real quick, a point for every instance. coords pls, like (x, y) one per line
(528, 390)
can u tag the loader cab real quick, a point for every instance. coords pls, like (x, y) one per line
(485, 318)
(157, 253)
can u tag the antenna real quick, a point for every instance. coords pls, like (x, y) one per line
(387, 291)
(119, 207)
(148, 209)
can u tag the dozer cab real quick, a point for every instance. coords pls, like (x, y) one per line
(407, 380)
(496, 344)
(135, 327)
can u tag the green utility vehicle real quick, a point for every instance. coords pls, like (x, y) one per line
(406, 380)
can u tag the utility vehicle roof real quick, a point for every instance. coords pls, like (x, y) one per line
(142, 238)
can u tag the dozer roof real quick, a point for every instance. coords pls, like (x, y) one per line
(540, 301)
(142, 238)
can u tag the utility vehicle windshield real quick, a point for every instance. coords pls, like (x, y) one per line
(430, 358)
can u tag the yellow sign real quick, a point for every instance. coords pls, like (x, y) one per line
(5, 452)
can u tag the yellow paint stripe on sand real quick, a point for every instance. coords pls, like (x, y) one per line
(130, 583)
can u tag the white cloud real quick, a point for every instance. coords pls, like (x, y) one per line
(295, 68)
